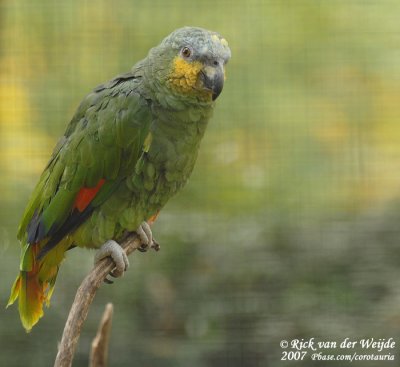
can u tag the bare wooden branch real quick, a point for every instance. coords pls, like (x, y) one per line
(83, 298)
(99, 351)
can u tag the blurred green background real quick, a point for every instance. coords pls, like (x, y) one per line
(289, 227)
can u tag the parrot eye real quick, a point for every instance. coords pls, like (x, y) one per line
(186, 52)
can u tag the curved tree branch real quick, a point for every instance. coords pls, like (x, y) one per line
(83, 299)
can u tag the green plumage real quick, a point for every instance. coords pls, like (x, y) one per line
(137, 137)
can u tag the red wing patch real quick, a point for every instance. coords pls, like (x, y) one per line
(86, 195)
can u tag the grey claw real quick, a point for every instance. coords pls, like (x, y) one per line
(143, 248)
(146, 236)
(108, 281)
(155, 245)
(116, 252)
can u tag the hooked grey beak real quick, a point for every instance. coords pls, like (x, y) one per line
(213, 80)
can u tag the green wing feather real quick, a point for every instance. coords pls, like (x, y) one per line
(103, 140)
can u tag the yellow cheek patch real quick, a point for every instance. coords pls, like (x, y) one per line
(184, 74)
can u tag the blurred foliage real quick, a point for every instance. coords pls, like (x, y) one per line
(289, 225)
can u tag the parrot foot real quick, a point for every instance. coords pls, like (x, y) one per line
(115, 251)
(146, 236)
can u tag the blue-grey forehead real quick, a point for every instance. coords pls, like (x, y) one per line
(203, 42)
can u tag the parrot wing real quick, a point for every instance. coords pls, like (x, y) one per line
(101, 145)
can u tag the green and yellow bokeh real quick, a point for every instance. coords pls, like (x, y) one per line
(289, 226)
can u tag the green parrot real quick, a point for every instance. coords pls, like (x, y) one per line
(131, 145)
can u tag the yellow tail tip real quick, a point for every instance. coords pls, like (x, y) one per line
(29, 321)
(15, 289)
(31, 296)
(34, 285)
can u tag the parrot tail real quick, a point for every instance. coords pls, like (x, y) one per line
(33, 288)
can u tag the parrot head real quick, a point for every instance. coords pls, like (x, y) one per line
(190, 64)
